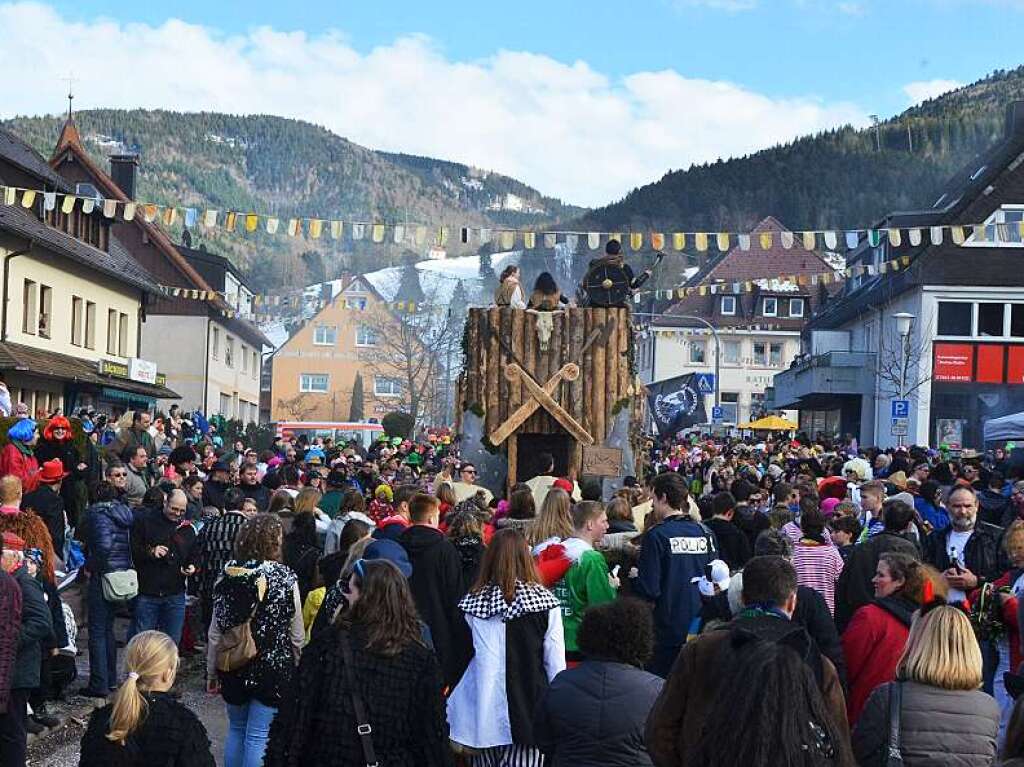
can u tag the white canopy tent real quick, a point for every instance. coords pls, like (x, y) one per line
(1005, 428)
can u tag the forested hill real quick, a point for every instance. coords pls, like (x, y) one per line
(292, 168)
(834, 179)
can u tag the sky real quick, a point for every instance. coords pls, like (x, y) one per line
(582, 99)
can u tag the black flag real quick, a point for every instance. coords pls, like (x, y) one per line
(676, 403)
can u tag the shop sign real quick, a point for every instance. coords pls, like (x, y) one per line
(142, 371)
(954, 362)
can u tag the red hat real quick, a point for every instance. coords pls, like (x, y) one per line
(13, 542)
(563, 484)
(53, 472)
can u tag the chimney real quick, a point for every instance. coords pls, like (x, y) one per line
(1015, 119)
(124, 169)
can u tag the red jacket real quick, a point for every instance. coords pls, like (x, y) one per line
(24, 467)
(1009, 614)
(872, 645)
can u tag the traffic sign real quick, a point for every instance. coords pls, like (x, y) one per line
(900, 427)
(716, 413)
(900, 408)
(705, 383)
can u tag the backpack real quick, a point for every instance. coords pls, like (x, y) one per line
(237, 646)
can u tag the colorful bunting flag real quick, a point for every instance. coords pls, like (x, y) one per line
(678, 240)
(722, 241)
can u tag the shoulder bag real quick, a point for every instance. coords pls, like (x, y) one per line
(237, 646)
(120, 586)
(894, 758)
(363, 727)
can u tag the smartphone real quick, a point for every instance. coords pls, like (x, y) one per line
(954, 562)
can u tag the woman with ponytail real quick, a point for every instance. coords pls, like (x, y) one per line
(145, 726)
(874, 640)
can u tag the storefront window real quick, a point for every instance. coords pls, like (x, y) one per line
(954, 318)
(990, 319)
(1017, 320)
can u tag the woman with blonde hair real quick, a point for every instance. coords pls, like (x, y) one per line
(944, 717)
(554, 523)
(145, 725)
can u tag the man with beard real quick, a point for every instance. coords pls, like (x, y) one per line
(967, 552)
(249, 484)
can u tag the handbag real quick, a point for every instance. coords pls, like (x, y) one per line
(120, 586)
(894, 758)
(237, 646)
(363, 727)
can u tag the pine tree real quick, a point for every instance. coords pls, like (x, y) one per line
(357, 406)
(410, 289)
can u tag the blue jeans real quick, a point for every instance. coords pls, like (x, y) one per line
(166, 614)
(102, 644)
(248, 730)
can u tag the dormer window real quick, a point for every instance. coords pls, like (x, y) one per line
(729, 305)
(770, 307)
(796, 307)
(1002, 229)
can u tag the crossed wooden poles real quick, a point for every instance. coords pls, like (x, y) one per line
(543, 396)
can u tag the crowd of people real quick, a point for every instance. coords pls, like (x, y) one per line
(375, 604)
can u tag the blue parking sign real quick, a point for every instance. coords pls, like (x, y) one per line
(716, 413)
(900, 408)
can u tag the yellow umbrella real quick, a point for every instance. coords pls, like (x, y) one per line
(770, 423)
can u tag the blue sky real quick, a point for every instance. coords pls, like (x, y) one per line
(530, 88)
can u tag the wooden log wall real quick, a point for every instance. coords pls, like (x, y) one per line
(604, 378)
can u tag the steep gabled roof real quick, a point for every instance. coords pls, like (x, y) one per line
(70, 142)
(23, 156)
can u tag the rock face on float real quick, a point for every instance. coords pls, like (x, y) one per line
(557, 382)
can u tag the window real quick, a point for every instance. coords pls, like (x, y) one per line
(45, 310)
(244, 353)
(387, 387)
(775, 355)
(698, 352)
(731, 352)
(730, 402)
(314, 382)
(770, 307)
(77, 315)
(216, 343)
(355, 303)
(29, 304)
(255, 365)
(325, 335)
(90, 325)
(990, 319)
(796, 307)
(954, 318)
(111, 331)
(365, 336)
(122, 336)
(1017, 320)
(225, 405)
(229, 351)
(1002, 229)
(761, 353)
(729, 305)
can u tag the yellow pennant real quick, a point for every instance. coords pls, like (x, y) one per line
(337, 229)
(979, 233)
(703, 290)
(316, 226)
(722, 241)
(251, 222)
(377, 233)
(294, 227)
(657, 240)
(508, 240)
(529, 240)
(129, 211)
(766, 240)
(678, 240)
(617, 236)
(701, 240)
(636, 240)
(229, 221)
(110, 208)
(810, 240)
(905, 260)
(65, 207)
(272, 224)
(895, 238)
(28, 198)
(957, 234)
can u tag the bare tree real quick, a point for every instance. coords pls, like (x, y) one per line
(900, 363)
(415, 344)
(299, 407)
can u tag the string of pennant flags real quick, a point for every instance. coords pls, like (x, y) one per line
(440, 235)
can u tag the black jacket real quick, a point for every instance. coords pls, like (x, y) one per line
(982, 555)
(161, 576)
(258, 493)
(213, 494)
(992, 507)
(316, 722)
(170, 735)
(812, 613)
(595, 714)
(36, 628)
(750, 521)
(437, 585)
(733, 546)
(49, 506)
(854, 589)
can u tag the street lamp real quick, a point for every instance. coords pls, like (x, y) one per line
(903, 322)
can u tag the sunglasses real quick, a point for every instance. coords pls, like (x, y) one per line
(117, 474)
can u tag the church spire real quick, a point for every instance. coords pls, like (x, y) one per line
(69, 133)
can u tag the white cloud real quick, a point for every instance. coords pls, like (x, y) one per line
(851, 8)
(922, 90)
(567, 129)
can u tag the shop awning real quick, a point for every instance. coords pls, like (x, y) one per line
(64, 367)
